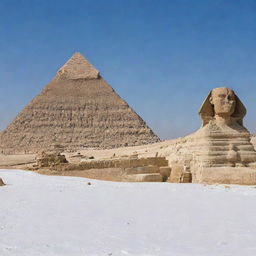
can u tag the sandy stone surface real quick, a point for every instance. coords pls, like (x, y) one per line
(108, 174)
(13, 160)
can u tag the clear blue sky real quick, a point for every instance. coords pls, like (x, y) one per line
(161, 56)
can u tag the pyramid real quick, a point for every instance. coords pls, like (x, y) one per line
(77, 109)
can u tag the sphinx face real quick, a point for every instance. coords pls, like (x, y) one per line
(223, 101)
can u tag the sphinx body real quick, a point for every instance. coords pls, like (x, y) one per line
(220, 151)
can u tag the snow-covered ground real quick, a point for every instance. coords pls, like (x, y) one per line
(64, 216)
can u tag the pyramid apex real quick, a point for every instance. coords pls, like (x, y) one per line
(78, 54)
(78, 67)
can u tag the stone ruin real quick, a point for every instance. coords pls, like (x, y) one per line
(221, 150)
(50, 159)
(151, 169)
(77, 109)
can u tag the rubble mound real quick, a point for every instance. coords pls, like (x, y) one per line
(1, 182)
(50, 159)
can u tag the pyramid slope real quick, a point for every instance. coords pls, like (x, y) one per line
(74, 112)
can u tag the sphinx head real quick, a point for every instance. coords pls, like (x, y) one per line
(222, 103)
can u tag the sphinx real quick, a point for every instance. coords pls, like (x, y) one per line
(221, 150)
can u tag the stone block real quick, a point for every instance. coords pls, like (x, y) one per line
(186, 177)
(228, 175)
(147, 177)
(142, 169)
(1, 182)
(165, 171)
(176, 174)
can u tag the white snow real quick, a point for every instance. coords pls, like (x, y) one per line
(64, 216)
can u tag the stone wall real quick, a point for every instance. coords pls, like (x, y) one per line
(117, 163)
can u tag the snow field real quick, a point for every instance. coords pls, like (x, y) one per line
(59, 216)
